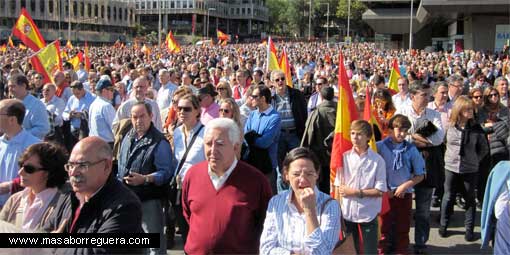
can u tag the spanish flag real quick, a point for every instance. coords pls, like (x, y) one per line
(86, 57)
(368, 115)
(10, 43)
(3, 48)
(346, 113)
(172, 44)
(221, 36)
(76, 60)
(47, 60)
(146, 50)
(26, 30)
(285, 67)
(21, 46)
(272, 60)
(69, 45)
(394, 76)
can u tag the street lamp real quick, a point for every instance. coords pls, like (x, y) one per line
(411, 28)
(208, 10)
(349, 20)
(310, 22)
(327, 23)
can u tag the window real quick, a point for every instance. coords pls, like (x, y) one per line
(23, 3)
(120, 14)
(155, 4)
(102, 11)
(75, 9)
(32, 5)
(242, 11)
(82, 9)
(50, 6)
(41, 7)
(89, 10)
(115, 13)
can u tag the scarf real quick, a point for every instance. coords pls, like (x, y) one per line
(398, 154)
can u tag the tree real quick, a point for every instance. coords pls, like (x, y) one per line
(278, 20)
(357, 9)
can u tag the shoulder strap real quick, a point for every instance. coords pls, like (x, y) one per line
(183, 159)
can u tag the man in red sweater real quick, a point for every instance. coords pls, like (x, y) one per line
(224, 200)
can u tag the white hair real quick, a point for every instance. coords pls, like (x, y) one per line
(105, 77)
(234, 133)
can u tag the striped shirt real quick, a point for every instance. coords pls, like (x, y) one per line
(285, 228)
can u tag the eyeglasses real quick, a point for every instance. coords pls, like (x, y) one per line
(279, 79)
(319, 84)
(493, 95)
(29, 169)
(306, 174)
(81, 166)
(227, 111)
(254, 96)
(184, 108)
(110, 89)
(221, 88)
(361, 96)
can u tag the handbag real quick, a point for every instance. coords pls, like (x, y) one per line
(346, 243)
(174, 190)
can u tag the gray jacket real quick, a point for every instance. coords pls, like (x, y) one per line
(465, 148)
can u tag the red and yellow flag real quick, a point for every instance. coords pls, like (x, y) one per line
(346, 113)
(21, 46)
(172, 44)
(285, 67)
(394, 76)
(146, 50)
(3, 48)
(368, 115)
(75, 61)
(26, 30)
(10, 43)
(222, 36)
(47, 61)
(69, 45)
(272, 60)
(86, 57)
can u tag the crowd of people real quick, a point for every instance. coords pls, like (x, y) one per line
(209, 144)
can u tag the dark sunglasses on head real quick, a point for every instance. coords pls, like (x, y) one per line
(225, 110)
(29, 168)
(184, 108)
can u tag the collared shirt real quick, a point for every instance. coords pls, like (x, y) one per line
(267, 124)
(68, 93)
(102, 114)
(209, 113)
(283, 107)
(196, 153)
(165, 95)
(428, 114)
(365, 171)
(78, 105)
(36, 119)
(55, 106)
(124, 112)
(219, 181)
(10, 151)
(82, 74)
(285, 228)
(412, 162)
(400, 102)
(33, 213)
(444, 111)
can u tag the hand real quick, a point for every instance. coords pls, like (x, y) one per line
(346, 191)
(134, 179)
(390, 193)
(307, 199)
(61, 227)
(400, 192)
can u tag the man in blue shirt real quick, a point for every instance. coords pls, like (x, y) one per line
(76, 112)
(263, 129)
(12, 143)
(145, 166)
(102, 112)
(36, 119)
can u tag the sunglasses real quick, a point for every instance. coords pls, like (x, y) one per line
(361, 96)
(477, 97)
(254, 96)
(279, 80)
(227, 111)
(184, 108)
(221, 88)
(29, 169)
(319, 84)
(494, 95)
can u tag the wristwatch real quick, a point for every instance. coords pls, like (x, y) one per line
(145, 179)
(360, 195)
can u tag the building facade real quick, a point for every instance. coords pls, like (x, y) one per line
(442, 24)
(95, 21)
(235, 17)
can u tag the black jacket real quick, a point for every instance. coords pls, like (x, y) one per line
(113, 209)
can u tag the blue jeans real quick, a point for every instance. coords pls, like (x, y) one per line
(423, 198)
(153, 221)
(287, 142)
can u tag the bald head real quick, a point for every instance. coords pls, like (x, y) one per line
(91, 159)
(59, 78)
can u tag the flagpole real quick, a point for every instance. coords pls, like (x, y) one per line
(35, 53)
(69, 21)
